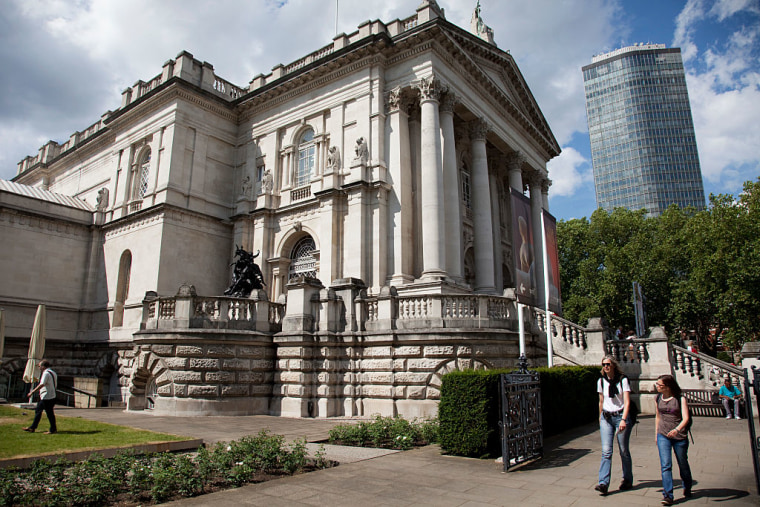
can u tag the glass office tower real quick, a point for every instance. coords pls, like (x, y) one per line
(642, 135)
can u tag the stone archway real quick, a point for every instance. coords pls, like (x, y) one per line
(11, 383)
(433, 388)
(148, 370)
(110, 371)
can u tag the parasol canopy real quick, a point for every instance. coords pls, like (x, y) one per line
(36, 347)
(2, 332)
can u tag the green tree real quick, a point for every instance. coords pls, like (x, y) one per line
(698, 270)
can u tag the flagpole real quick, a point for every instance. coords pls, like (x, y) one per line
(336, 18)
(545, 249)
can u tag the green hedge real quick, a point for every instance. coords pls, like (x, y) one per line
(468, 412)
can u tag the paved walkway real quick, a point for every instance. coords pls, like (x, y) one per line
(720, 459)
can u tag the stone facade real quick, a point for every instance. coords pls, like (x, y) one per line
(373, 177)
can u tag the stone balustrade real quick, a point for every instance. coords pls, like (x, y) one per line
(193, 312)
(706, 371)
(390, 311)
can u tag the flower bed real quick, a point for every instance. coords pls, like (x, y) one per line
(132, 479)
(386, 433)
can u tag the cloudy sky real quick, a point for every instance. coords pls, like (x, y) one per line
(65, 62)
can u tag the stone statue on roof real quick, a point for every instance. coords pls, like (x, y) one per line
(479, 28)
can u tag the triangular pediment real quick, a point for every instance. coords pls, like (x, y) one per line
(496, 71)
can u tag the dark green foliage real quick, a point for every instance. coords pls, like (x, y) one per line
(386, 432)
(698, 270)
(468, 413)
(157, 477)
(469, 410)
(568, 397)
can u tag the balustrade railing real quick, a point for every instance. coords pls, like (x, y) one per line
(211, 312)
(628, 351)
(706, 368)
(571, 333)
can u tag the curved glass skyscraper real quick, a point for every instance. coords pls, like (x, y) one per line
(642, 135)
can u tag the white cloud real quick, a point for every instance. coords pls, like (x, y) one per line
(569, 172)
(692, 13)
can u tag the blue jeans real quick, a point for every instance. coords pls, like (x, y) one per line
(607, 428)
(681, 449)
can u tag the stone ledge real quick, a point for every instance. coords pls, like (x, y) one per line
(172, 446)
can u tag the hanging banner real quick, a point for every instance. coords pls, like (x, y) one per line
(523, 251)
(552, 252)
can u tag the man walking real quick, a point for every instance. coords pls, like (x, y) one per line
(46, 387)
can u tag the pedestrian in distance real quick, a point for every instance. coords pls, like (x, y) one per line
(672, 423)
(730, 393)
(614, 418)
(47, 388)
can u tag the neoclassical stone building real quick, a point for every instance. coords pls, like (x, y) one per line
(373, 179)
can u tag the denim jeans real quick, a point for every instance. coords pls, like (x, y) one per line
(681, 449)
(607, 428)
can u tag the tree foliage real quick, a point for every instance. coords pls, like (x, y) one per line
(698, 270)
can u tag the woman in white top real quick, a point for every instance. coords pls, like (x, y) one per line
(614, 405)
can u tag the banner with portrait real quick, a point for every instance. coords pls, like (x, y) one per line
(523, 250)
(552, 254)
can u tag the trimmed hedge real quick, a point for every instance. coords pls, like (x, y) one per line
(468, 411)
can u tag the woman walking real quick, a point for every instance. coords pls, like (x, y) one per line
(672, 423)
(614, 409)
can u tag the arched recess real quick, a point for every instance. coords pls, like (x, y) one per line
(433, 388)
(122, 288)
(287, 247)
(12, 386)
(142, 174)
(108, 369)
(148, 370)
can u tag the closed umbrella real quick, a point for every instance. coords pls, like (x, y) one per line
(2, 332)
(36, 347)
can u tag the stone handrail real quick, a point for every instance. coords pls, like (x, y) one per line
(629, 351)
(707, 369)
(194, 312)
(570, 332)
(417, 311)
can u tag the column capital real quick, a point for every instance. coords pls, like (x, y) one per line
(397, 100)
(448, 101)
(479, 129)
(545, 184)
(430, 89)
(515, 160)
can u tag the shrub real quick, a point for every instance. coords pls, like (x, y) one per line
(469, 410)
(386, 432)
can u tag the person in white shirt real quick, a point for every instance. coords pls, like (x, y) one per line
(46, 387)
(614, 417)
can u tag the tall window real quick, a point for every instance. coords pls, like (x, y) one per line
(143, 169)
(122, 288)
(466, 190)
(306, 154)
(302, 260)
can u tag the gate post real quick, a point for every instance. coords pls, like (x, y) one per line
(754, 442)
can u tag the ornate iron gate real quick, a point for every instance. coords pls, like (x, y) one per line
(522, 429)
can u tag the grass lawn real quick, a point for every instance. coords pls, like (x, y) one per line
(74, 434)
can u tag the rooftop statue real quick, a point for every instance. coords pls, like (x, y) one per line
(479, 28)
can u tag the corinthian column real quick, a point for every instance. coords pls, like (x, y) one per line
(400, 204)
(514, 165)
(481, 211)
(433, 234)
(452, 213)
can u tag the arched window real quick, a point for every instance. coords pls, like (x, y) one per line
(122, 288)
(306, 154)
(143, 169)
(302, 260)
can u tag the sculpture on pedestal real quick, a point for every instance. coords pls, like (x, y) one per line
(246, 276)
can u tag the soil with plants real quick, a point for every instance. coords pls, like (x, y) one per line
(386, 433)
(130, 479)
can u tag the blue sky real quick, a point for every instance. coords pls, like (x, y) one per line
(66, 63)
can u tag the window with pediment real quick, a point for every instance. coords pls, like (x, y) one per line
(307, 149)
